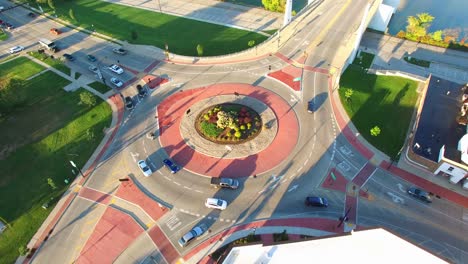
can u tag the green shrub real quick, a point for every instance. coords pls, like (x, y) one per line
(206, 117)
(210, 129)
(249, 125)
(242, 127)
(237, 134)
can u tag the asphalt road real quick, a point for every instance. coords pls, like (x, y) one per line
(438, 227)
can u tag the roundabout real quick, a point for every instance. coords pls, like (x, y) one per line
(273, 144)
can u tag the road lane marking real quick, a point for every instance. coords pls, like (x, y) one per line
(177, 183)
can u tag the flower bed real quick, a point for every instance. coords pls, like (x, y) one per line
(228, 123)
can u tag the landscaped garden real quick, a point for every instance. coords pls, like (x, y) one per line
(385, 102)
(42, 127)
(140, 26)
(228, 123)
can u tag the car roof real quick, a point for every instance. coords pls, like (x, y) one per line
(213, 201)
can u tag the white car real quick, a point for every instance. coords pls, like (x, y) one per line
(93, 68)
(116, 69)
(16, 49)
(144, 168)
(216, 203)
(116, 82)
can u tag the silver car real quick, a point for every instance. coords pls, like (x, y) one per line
(190, 236)
(16, 49)
(116, 82)
(116, 69)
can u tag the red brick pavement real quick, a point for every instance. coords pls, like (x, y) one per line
(427, 185)
(351, 205)
(287, 79)
(153, 82)
(171, 110)
(338, 185)
(364, 174)
(163, 244)
(129, 191)
(95, 195)
(151, 66)
(112, 235)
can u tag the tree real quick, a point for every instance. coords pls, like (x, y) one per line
(437, 36)
(51, 183)
(72, 14)
(51, 4)
(375, 131)
(348, 93)
(417, 26)
(251, 43)
(200, 50)
(87, 98)
(274, 5)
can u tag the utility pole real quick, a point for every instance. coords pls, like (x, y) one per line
(76, 167)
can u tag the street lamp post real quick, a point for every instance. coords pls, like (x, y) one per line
(76, 167)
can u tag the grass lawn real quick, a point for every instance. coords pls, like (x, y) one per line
(56, 63)
(364, 59)
(38, 140)
(3, 35)
(100, 87)
(422, 63)
(152, 28)
(384, 101)
(21, 68)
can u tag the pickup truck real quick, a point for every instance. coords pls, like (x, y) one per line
(224, 183)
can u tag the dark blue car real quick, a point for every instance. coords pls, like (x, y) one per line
(316, 201)
(171, 166)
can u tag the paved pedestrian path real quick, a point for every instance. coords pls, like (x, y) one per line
(212, 11)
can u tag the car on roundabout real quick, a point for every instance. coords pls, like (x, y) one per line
(310, 106)
(144, 168)
(215, 203)
(316, 201)
(128, 103)
(190, 236)
(173, 168)
(116, 82)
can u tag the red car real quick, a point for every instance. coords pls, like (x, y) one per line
(55, 31)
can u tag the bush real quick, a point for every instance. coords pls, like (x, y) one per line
(242, 127)
(210, 129)
(237, 134)
(206, 117)
(87, 98)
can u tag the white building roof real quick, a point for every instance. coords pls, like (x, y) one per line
(369, 246)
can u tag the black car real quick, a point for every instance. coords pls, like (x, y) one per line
(31, 14)
(128, 102)
(171, 166)
(420, 194)
(68, 57)
(141, 91)
(91, 58)
(310, 106)
(316, 201)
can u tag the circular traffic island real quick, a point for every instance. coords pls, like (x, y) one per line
(228, 123)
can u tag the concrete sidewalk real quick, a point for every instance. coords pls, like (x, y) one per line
(212, 11)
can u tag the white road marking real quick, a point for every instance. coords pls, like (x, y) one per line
(165, 177)
(198, 191)
(185, 187)
(134, 155)
(293, 188)
(396, 198)
(177, 183)
(400, 186)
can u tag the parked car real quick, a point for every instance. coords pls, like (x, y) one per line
(119, 51)
(316, 201)
(9, 26)
(68, 57)
(190, 236)
(128, 103)
(116, 69)
(93, 68)
(144, 168)
(55, 31)
(91, 58)
(141, 90)
(310, 106)
(31, 14)
(216, 203)
(171, 165)
(16, 49)
(116, 82)
(420, 194)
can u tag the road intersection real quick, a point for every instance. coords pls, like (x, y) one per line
(372, 195)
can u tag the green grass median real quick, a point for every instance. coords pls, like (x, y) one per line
(141, 26)
(37, 139)
(384, 101)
